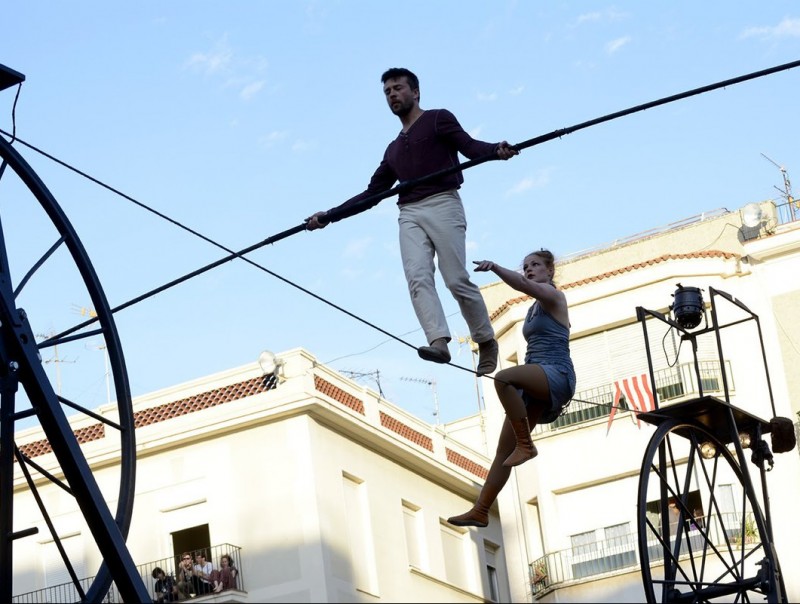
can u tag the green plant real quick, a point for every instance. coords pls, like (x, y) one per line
(539, 571)
(750, 530)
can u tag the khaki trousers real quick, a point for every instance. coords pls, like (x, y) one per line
(436, 226)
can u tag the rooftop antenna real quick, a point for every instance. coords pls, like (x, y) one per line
(90, 312)
(472, 347)
(432, 383)
(376, 375)
(55, 359)
(787, 187)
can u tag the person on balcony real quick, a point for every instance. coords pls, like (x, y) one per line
(225, 576)
(185, 577)
(165, 588)
(202, 573)
(537, 391)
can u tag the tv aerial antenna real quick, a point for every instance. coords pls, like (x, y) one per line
(55, 359)
(376, 375)
(787, 185)
(432, 383)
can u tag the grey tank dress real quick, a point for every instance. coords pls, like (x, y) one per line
(548, 347)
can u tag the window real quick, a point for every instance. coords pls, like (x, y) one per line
(490, 550)
(669, 391)
(458, 566)
(359, 533)
(494, 587)
(415, 536)
(584, 543)
(591, 557)
(619, 537)
(55, 572)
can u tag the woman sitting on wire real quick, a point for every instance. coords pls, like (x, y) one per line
(533, 393)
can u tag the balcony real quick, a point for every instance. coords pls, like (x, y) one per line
(67, 592)
(621, 553)
(672, 384)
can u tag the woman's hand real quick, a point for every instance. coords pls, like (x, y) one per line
(483, 266)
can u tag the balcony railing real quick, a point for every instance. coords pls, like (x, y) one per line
(601, 557)
(67, 592)
(671, 383)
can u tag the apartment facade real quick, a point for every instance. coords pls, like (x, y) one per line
(574, 508)
(322, 491)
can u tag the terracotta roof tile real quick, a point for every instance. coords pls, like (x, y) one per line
(395, 425)
(339, 395)
(160, 413)
(203, 400)
(466, 463)
(619, 271)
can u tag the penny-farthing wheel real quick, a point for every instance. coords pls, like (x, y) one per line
(38, 244)
(704, 527)
(703, 536)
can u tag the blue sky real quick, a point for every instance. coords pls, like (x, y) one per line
(240, 119)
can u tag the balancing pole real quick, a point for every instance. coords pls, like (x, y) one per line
(369, 202)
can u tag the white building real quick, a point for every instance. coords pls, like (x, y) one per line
(575, 505)
(322, 491)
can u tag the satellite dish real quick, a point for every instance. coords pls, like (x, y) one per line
(752, 215)
(268, 362)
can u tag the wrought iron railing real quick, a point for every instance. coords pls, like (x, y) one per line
(67, 592)
(622, 552)
(670, 384)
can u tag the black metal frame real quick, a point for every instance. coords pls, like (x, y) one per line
(719, 421)
(20, 363)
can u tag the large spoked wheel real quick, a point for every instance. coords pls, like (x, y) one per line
(67, 359)
(702, 535)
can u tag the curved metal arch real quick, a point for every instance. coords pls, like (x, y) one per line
(21, 361)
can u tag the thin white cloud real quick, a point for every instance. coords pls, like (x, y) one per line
(213, 61)
(615, 45)
(788, 28)
(487, 96)
(243, 74)
(351, 274)
(301, 146)
(597, 16)
(587, 17)
(516, 91)
(356, 248)
(539, 180)
(250, 90)
(274, 137)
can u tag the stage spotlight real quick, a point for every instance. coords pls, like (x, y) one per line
(688, 306)
(744, 439)
(708, 450)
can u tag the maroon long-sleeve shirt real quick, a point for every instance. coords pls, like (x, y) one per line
(431, 144)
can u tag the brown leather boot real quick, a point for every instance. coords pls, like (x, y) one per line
(477, 516)
(525, 448)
